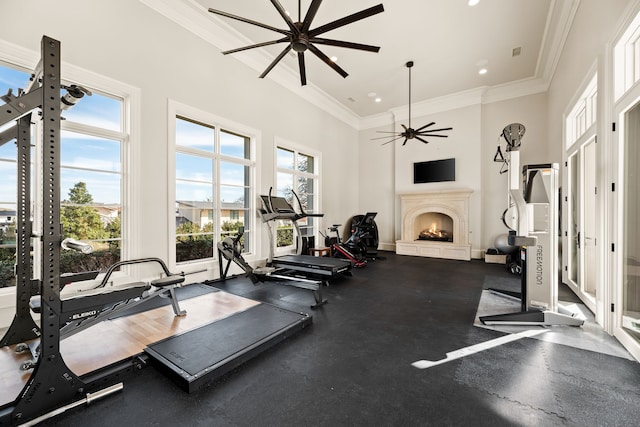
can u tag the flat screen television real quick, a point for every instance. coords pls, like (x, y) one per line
(434, 171)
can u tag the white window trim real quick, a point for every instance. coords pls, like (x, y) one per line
(317, 155)
(587, 91)
(176, 109)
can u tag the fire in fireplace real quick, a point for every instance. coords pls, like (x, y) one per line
(436, 235)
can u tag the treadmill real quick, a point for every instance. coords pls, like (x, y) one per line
(276, 208)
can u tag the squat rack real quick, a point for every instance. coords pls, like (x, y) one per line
(52, 384)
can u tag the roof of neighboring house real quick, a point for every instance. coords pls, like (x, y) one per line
(208, 205)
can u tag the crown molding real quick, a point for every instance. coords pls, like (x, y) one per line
(559, 22)
(442, 103)
(18, 55)
(524, 87)
(191, 16)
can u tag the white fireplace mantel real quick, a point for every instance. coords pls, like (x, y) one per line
(455, 204)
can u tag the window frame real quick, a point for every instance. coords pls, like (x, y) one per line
(297, 149)
(219, 124)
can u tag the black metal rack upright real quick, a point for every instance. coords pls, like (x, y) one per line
(23, 327)
(51, 384)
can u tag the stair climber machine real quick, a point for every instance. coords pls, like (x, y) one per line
(534, 219)
(302, 271)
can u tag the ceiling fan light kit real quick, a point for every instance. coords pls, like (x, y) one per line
(300, 37)
(409, 133)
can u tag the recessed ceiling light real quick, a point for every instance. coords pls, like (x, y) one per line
(473, 2)
(378, 99)
(482, 71)
(334, 59)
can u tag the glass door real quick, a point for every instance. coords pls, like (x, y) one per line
(631, 225)
(582, 224)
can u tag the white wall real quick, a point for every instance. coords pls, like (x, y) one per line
(377, 182)
(464, 144)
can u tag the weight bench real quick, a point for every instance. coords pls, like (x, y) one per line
(88, 307)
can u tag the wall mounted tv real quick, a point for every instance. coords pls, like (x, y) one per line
(434, 171)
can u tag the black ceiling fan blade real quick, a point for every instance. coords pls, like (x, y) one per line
(286, 17)
(387, 136)
(249, 21)
(426, 126)
(432, 134)
(405, 140)
(275, 61)
(349, 45)
(436, 130)
(423, 140)
(240, 49)
(303, 69)
(394, 139)
(346, 20)
(311, 13)
(327, 60)
(404, 127)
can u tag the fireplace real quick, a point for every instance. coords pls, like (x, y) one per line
(435, 224)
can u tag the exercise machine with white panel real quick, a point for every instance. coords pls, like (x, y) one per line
(533, 213)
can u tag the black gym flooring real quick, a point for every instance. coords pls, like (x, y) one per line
(352, 366)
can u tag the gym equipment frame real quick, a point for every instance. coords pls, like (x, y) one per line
(231, 250)
(537, 234)
(302, 271)
(52, 384)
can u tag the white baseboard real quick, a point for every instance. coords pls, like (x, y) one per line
(391, 247)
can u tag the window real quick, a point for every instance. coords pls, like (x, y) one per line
(213, 175)
(297, 172)
(93, 140)
(92, 144)
(583, 115)
(627, 59)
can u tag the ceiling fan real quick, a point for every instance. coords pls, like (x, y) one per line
(409, 132)
(300, 37)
